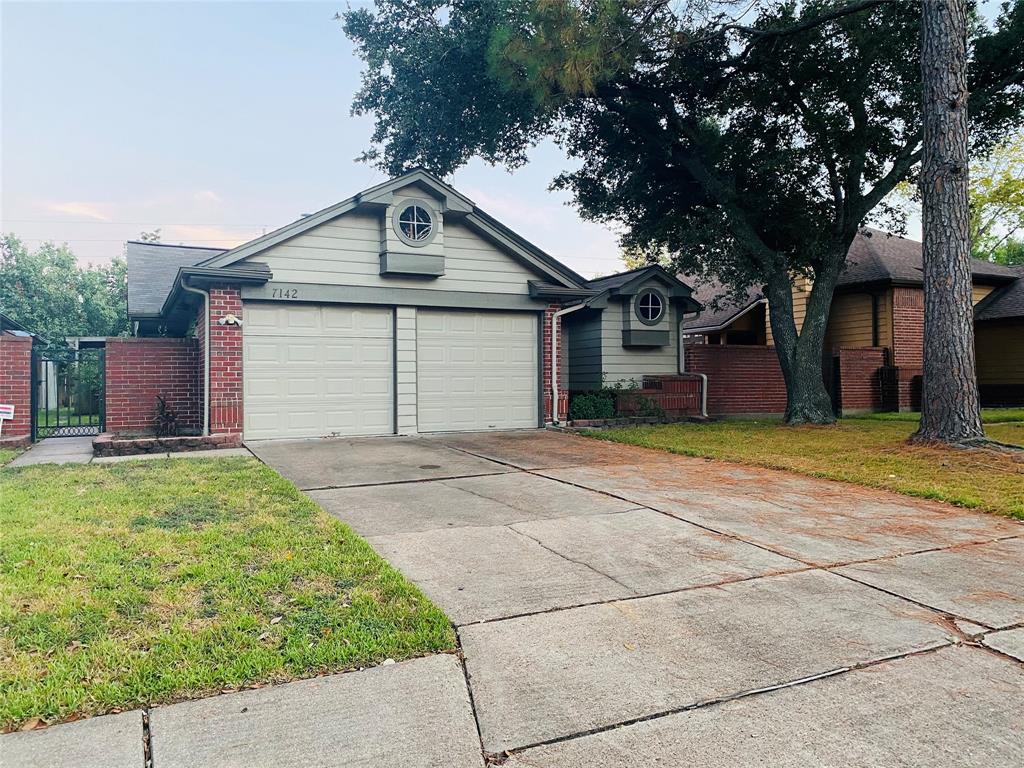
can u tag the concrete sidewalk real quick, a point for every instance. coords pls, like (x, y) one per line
(414, 714)
(78, 450)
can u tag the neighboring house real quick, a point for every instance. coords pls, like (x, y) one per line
(874, 341)
(10, 327)
(403, 309)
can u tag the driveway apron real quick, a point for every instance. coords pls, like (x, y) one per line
(620, 606)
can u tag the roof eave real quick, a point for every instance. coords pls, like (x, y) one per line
(200, 275)
(731, 319)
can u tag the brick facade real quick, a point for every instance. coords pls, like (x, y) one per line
(908, 327)
(225, 361)
(563, 393)
(16, 388)
(741, 379)
(137, 370)
(859, 378)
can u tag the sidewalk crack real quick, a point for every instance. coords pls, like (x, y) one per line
(596, 570)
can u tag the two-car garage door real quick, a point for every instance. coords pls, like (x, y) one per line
(319, 370)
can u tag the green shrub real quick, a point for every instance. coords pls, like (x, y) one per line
(592, 405)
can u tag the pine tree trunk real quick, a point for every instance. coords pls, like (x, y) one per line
(950, 409)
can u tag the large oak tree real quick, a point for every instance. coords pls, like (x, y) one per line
(748, 148)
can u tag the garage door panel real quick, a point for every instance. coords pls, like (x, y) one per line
(476, 370)
(312, 371)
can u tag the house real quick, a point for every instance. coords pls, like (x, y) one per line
(403, 309)
(875, 335)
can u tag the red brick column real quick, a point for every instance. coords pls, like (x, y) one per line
(225, 361)
(16, 388)
(139, 369)
(908, 327)
(908, 344)
(563, 395)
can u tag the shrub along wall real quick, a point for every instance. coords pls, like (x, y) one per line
(137, 370)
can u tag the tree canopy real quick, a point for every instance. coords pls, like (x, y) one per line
(749, 150)
(996, 199)
(51, 294)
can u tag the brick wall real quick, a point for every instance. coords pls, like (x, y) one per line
(563, 393)
(16, 387)
(859, 383)
(909, 387)
(741, 379)
(225, 361)
(908, 327)
(137, 370)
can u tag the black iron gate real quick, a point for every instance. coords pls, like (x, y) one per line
(67, 392)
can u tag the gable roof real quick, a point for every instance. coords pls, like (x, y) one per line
(153, 272)
(877, 257)
(627, 283)
(382, 195)
(1002, 303)
(720, 309)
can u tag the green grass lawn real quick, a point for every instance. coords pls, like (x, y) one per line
(988, 415)
(7, 455)
(123, 585)
(867, 451)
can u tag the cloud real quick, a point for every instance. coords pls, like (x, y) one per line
(206, 234)
(88, 210)
(207, 196)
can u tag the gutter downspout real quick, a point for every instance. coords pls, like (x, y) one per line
(554, 356)
(206, 353)
(703, 377)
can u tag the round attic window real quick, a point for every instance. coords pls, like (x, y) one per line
(650, 307)
(414, 222)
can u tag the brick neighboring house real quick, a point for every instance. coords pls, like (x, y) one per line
(874, 339)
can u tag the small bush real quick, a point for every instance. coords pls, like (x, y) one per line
(592, 405)
(165, 420)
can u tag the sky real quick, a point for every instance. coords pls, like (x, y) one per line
(215, 122)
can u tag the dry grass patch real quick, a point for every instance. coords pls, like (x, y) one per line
(871, 452)
(124, 585)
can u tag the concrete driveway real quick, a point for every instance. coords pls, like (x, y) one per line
(623, 607)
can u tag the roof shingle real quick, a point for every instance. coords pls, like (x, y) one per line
(152, 268)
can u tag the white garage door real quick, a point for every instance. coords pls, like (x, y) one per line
(476, 370)
(312, 371)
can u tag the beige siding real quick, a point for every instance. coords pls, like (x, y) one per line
(885, 319)
(979, 292)
(849, 322)
(1000, 353)
(346, 251)
(801, 291)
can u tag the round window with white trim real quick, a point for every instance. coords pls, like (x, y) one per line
(414, 222)
(650, 307)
